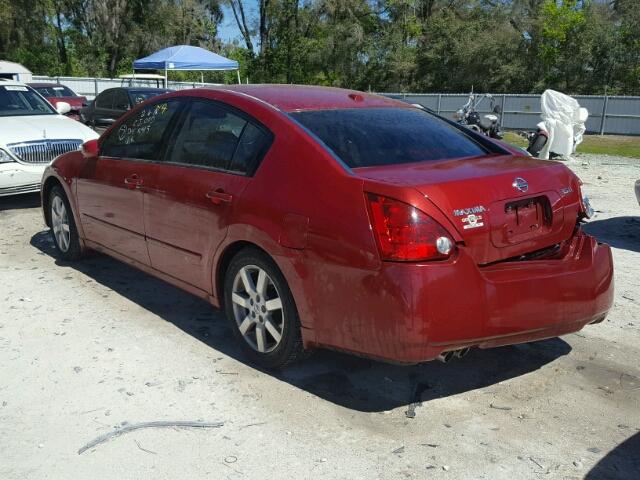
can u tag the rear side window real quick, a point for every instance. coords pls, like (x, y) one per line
(105, 99)
(369, 137)
(120, 100)
(213, 137)
(141, 135)
(208, 136)
(55, 91)
(253, 144)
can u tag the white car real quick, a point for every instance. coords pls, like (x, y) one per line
(32, 134)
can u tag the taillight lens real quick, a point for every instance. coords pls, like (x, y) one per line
(405, 233)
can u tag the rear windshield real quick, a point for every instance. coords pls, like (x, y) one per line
(369, 137)
(139, 96)
(55, 91)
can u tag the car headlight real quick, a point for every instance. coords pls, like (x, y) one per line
(5, 157)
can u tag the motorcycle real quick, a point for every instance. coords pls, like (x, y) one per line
(562, 126)
(488, 124)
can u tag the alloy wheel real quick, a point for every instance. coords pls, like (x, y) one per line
(60, 224)
(257, 309)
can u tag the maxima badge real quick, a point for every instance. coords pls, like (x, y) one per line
(520, 184)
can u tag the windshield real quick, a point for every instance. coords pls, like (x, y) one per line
(55, 91)
(139, 96)
(368, 137)
(18, 100)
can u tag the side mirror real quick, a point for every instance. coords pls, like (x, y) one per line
(89, 149)
(63, 108)
(497, 109)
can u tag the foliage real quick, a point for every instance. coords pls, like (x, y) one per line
(577, 46)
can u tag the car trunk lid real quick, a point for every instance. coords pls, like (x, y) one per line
(501, 206)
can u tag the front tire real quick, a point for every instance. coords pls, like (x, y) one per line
(63, 227)
(261, 310)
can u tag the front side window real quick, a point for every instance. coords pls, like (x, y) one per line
(141, 135)
(369, 137)
(208, 137)
(18, 100)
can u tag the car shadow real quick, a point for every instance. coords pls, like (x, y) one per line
(621, 463)
(619, 232)
(20, 201)
(356, 383)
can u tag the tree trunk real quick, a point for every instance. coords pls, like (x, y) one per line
(241, 20)
(293, 35)
(264, 27)
(62, 48)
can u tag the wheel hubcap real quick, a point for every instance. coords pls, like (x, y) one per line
(257, 309)
(60, 224)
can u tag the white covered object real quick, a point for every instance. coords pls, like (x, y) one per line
(564, 120)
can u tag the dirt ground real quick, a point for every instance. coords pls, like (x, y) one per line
(94, 346)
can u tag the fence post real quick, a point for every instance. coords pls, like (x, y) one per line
(439, 103)
(95, 86)
(504, 102)
(604, 113)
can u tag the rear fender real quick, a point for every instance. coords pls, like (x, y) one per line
(290, 262)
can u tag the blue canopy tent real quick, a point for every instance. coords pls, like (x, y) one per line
(185, 58)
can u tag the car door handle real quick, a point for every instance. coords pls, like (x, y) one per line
(134, 181)
(219, 197)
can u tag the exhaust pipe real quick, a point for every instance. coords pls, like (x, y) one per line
(462, 352)
(444, 357)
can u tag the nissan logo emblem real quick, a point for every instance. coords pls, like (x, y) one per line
(520, 184)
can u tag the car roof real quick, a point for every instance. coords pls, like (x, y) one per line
(45, 84)
(137, 89)
(293, 98)
(144, 89)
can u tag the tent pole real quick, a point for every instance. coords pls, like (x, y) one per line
(166, 83)
(238, 72)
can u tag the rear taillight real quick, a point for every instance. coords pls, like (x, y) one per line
(405, 233)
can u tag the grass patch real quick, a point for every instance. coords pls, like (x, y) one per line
(611, 145)
(514, 139)
(622, 146)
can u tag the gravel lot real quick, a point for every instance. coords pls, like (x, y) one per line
(93, 346)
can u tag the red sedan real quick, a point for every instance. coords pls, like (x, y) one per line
(321, 217)
(56, 93)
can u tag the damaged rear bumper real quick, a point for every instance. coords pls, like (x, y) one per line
(423, 310)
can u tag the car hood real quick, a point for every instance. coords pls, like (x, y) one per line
(38, 127)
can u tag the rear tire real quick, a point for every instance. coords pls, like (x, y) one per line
(63, 226)
(261, 312)
(537, 144)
